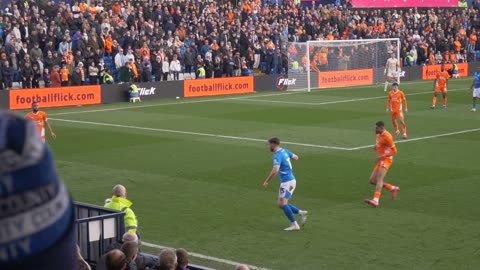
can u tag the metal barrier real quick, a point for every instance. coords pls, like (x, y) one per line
(96, 229)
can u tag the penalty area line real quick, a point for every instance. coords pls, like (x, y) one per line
(423, 138)
(195, 133)
(205, 257)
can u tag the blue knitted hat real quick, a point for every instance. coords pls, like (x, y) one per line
(36, 212)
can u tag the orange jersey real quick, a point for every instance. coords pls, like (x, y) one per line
(39, 119)
(442, 78)
(385, 146)
(396, 100)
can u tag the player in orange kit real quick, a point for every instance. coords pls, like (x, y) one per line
(386, 149)
(440, 85)
(40, 119)
(395, 103)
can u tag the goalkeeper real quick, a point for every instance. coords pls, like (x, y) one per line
(392, 68)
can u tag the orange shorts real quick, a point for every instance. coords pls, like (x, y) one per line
(439, 89)
(397, 115)
(386, 163)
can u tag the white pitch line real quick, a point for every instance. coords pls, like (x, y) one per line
(205, 257)
(423, 138)
(195, 133)
(337, 101)
(170, 103)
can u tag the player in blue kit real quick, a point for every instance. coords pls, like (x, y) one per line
(282, 166)
(476, 89)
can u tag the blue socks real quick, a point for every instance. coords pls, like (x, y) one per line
(474, 106)
(294, 209)
(289, 210)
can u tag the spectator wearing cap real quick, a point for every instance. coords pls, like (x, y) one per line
(76, 78)
(31, 170)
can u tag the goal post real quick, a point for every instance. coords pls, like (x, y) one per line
(339, 63)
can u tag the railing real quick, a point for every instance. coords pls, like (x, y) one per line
(96, 229)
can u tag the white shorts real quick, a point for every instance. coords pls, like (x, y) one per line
(476, 92)
(287, 189)
(391, 74)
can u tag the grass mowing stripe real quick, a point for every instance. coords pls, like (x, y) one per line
(423, 138)
(256, 139)
(206, 257)
(194, 133)
(337, 101)
(219, 99)
(169, 104)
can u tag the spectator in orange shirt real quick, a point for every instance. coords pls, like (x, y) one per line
(453, 58)
(108, 44)
(457, 44)
(83, 7)
(116, 9)
(472, 41)
(64, 75)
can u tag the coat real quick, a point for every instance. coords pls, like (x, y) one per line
(123, 204)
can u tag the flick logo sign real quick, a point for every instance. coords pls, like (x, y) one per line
(147, 91)
(283, 83)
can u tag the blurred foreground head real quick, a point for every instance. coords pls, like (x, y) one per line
(36, 217)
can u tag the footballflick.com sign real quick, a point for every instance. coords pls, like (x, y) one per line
(220, 86)
(55, 97)
(282, 82)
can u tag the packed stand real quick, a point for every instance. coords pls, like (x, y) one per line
(61, 44)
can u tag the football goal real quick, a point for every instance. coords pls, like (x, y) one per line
(340, 63)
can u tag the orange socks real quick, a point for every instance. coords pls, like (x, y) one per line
(445, 101)
(404, 128)
(395, 125)
(434, 102)
(388, 186)
(376, 196)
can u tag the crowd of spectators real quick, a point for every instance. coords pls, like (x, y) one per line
(73, 43)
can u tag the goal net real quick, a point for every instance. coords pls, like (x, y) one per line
(340, 63)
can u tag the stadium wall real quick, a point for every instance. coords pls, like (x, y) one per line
(112, 93)
(18, 99)
(4, 100)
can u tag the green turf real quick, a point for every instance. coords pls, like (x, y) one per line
(205, 193)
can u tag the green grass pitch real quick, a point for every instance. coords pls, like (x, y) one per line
(203, 192)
